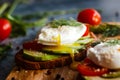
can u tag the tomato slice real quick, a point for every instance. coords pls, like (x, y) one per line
(88, 68)
(87, 30)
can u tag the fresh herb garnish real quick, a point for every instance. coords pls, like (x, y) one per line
(95, 43)
(108, 30)
(112, 30)
(113, 42)
(3, 50)
(64, 22)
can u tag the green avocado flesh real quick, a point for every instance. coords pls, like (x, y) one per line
(50, 53)
(112, 75)
(115, 75)
(38, 56)
(53, 52)
(63, 49)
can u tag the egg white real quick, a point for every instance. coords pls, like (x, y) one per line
(61, 35)
(105, 55)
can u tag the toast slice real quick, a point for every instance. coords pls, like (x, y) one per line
(49, 64)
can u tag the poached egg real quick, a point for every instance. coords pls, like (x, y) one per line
(105, 55)
(61, 35)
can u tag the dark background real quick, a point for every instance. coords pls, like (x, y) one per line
(110, 8)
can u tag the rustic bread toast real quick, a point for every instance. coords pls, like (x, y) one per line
(60, 62)
(61, 73)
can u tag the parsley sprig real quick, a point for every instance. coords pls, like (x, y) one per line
(3, 49)
(64, 22)
(108, 30)
(113, 42)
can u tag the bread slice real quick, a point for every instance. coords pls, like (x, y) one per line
(59, 62)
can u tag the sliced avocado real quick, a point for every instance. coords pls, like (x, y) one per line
(63, 49)
(38, 56)
(99, 78)
(108, 76)
(84, 41)
(114, 74)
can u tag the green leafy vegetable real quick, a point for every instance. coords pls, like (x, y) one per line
(3, 49)
(61, 22)
(113, 42)
(19, 26)
(110, 75)
(108, 30)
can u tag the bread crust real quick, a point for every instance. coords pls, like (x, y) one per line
(59, 62)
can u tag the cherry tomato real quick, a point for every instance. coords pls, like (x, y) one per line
(5, 29)
(87, 30)
(90, 16)
(88, 68)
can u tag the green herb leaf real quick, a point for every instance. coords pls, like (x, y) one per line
(113, 42)
(3, 50)
(108, 30)
(61, 22)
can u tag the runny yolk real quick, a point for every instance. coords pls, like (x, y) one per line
(72, 51)
(58, 39)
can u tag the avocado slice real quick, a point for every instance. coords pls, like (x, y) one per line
(114, 74)
(63, 49)
(38, 56)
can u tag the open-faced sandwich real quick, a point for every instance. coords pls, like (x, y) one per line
(70, 50)
(55, 49)
(58, 44)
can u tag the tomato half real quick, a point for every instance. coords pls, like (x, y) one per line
(5, 29)
(87, 30)
(88, 68)
(90, 16)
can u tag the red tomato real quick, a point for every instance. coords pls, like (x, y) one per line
(88, 68)
(90, 16)
(5, 29)
(87, 30)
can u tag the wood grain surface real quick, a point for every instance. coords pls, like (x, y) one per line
(64, 73)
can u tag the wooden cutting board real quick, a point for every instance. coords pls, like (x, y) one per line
(64, 73)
